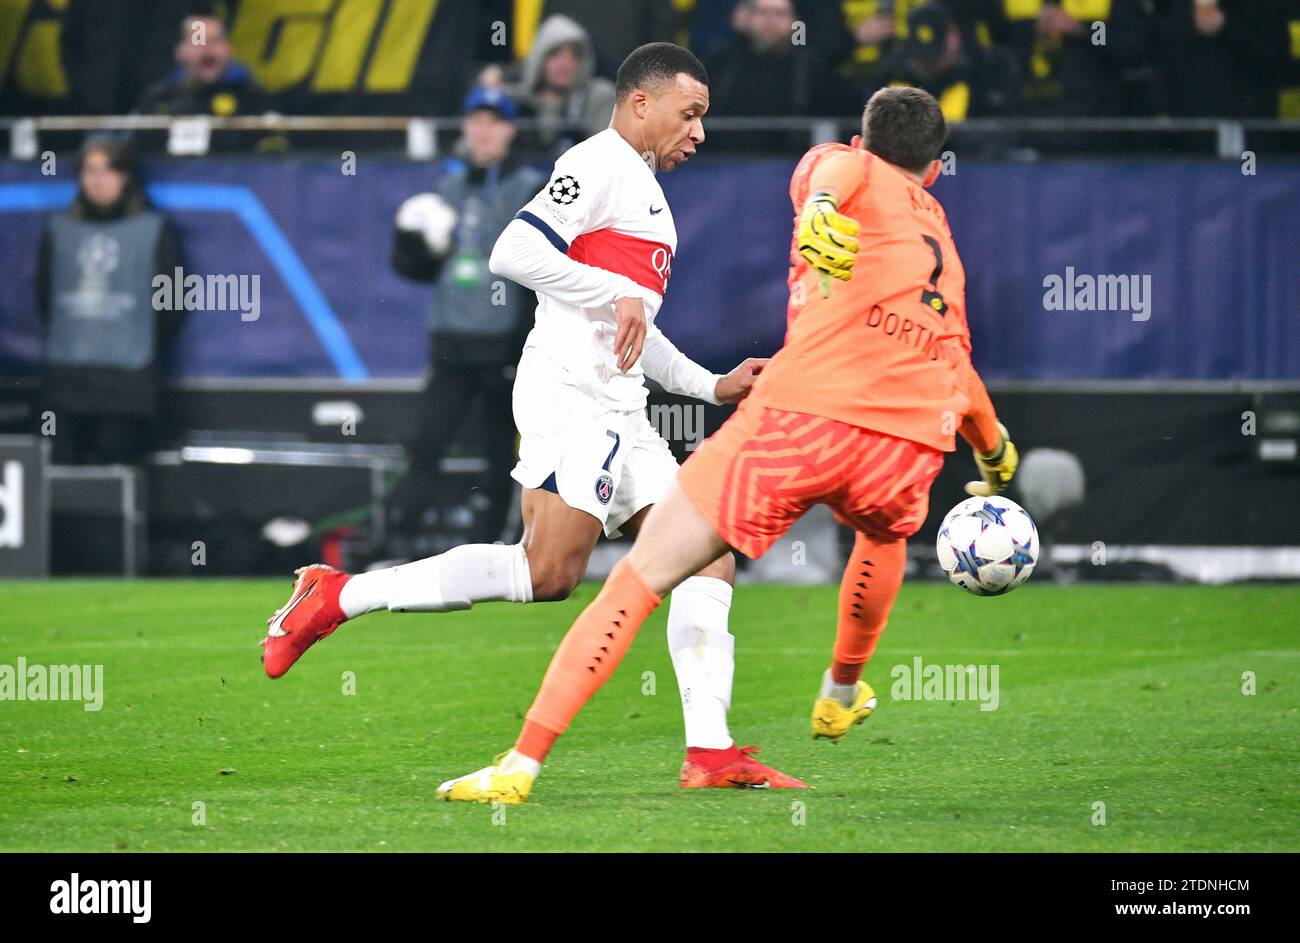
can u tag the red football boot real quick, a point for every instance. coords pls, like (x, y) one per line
(311, 613)
(732, 768)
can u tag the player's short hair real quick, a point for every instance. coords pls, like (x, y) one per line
(905, 127)
(654, 63)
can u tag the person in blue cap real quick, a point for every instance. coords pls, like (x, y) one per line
(476, 322)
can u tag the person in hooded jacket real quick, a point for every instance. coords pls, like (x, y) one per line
(559, 88)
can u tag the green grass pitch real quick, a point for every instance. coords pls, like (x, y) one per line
(1131, 696)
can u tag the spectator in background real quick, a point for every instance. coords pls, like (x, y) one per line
(878, 29)
(874, 38)
(112, 50)
(616, 27)
(208, 80)
(560, 89)
(1227, 58)
(1064, 73)
(763, 72)
(476, 324)
(974, 82)
(714, 23)
(1266, 39)
(104, 338)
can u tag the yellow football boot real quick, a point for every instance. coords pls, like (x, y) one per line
(489, 784)
(831, 720)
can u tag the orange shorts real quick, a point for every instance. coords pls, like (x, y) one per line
(765, 468)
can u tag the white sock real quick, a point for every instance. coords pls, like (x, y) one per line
(453, 580)
(704, 657)
(514, 762)
(844, 693)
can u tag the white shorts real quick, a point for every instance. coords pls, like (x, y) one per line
(610, 463)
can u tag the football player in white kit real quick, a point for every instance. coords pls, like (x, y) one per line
(597, 245)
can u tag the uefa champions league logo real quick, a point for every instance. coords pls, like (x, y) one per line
(98, 256)
(564, 190)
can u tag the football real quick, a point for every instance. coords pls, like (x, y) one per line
(988, 546)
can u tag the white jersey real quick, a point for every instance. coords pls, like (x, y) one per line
(599, 230)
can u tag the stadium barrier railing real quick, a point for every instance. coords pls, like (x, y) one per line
(1226, 138)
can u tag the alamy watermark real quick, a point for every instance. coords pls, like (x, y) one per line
(677, 422)
(922, 682)
(1073, 292)
(78, 896)
(181, 292)
(24, 682)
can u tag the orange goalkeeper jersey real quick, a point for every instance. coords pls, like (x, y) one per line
(889, 350)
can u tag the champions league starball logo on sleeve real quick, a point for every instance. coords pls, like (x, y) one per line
(564, 190)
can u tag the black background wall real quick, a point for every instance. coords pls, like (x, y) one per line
(1162, 467)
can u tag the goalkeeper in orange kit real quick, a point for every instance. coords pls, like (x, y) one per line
(855, 411)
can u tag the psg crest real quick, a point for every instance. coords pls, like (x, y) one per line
(564, 190)
(604, 489)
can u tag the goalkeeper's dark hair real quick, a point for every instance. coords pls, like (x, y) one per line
(905, 127)
(654, 63)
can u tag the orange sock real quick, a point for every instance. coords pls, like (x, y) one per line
(871, 581)
(587, 657)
